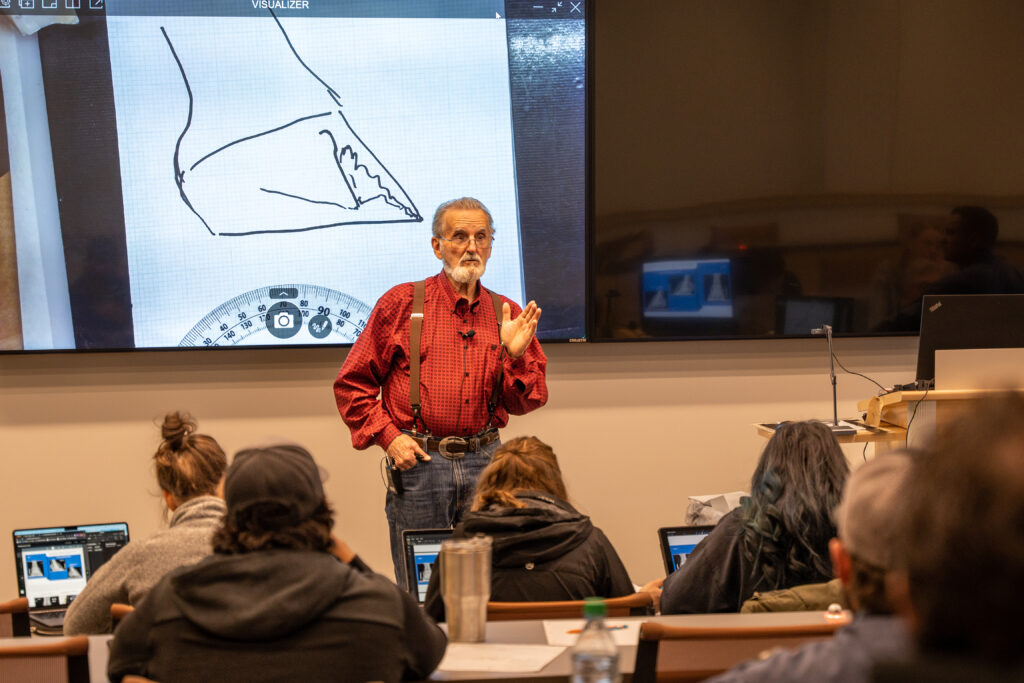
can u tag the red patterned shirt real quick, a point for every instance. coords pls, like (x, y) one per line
(457, 374)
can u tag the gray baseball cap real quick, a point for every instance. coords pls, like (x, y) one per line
(869, 516)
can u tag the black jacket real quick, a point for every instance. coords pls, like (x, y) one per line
(717, 576)
(273, 616)
(545, 551)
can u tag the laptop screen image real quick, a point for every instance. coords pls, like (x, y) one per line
(677, 542)
(422, 547)
(54, 563)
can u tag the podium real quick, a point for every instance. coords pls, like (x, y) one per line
(924, 410)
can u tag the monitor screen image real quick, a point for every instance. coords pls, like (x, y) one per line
(191, 173)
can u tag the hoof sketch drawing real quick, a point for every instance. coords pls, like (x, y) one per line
(276, 154)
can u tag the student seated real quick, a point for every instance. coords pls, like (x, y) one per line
(869, 548)
(189, 470)
(965, 550)
(273, 603)
(778, 538)
(543, 549)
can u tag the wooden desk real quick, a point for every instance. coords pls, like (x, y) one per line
(705, 658)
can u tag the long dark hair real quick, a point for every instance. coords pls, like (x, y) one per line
(793, 495)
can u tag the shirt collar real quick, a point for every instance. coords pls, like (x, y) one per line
(452, 297)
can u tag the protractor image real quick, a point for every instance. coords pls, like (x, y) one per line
(282, 314)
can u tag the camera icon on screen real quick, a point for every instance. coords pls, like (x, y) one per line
(283, 319)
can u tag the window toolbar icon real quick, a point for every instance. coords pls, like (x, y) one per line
(73, 4)
(5, 4)
(27, 4)
(49, 4)
(95, 4)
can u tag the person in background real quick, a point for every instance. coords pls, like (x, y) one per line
(189, 470)
(280, 599)
(965, 550)
(779, 537)
(869, 548)
(543, 548)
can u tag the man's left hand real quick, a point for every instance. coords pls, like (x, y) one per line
(517, 334)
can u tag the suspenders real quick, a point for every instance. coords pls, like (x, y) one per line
(416, 332)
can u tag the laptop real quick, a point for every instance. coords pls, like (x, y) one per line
(677, 542)
(54, 563)
(967, 321)
(421, 547)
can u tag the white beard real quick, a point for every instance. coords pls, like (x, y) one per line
(463, 274)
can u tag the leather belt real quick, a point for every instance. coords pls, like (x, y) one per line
(455, 447)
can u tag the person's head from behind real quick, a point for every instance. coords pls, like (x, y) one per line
(965, 540)
(793, 493)
(971, 234)
(870, 523)
(275, 500)
(522, 464)
(187, 464)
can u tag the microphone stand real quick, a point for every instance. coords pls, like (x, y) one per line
(827, 331)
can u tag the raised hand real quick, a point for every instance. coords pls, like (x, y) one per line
(516, 334)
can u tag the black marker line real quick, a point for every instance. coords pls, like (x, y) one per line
(256, 135)
(337, 164)
(317, 227)
(179, 175)
(331, 91)
(306, 199)
(415, 211)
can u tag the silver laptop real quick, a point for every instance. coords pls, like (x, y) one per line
(54, 563)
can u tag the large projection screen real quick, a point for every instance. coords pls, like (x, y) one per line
(189, 173)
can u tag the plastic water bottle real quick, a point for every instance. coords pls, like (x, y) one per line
(595, 657)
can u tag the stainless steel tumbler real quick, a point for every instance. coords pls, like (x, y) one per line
(466, 586)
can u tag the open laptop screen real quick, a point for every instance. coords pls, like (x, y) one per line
(677, 542)
(422, 547)
(968, 321)
(54, 563)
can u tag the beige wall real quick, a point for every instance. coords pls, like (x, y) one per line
(637, 426)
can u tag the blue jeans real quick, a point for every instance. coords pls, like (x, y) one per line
(437, 493)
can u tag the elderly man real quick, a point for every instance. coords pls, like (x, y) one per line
(438, 369)
(870, 524)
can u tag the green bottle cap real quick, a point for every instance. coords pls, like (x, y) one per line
(593, 608)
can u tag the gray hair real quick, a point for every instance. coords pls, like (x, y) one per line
(464, 204)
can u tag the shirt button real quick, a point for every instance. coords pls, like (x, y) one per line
(467, 374)
(467, 400)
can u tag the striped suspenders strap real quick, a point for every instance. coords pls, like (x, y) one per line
(416, 333)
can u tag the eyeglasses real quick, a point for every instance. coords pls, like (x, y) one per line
(461, 240)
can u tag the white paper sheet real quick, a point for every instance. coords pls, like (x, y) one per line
(566, 631)
(498, 657)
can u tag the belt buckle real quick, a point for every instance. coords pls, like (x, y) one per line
(442, 447)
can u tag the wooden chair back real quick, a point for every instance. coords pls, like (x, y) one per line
(50, 660)
(693, 653)
(564, 609)
(119, 611)
(14, 618)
